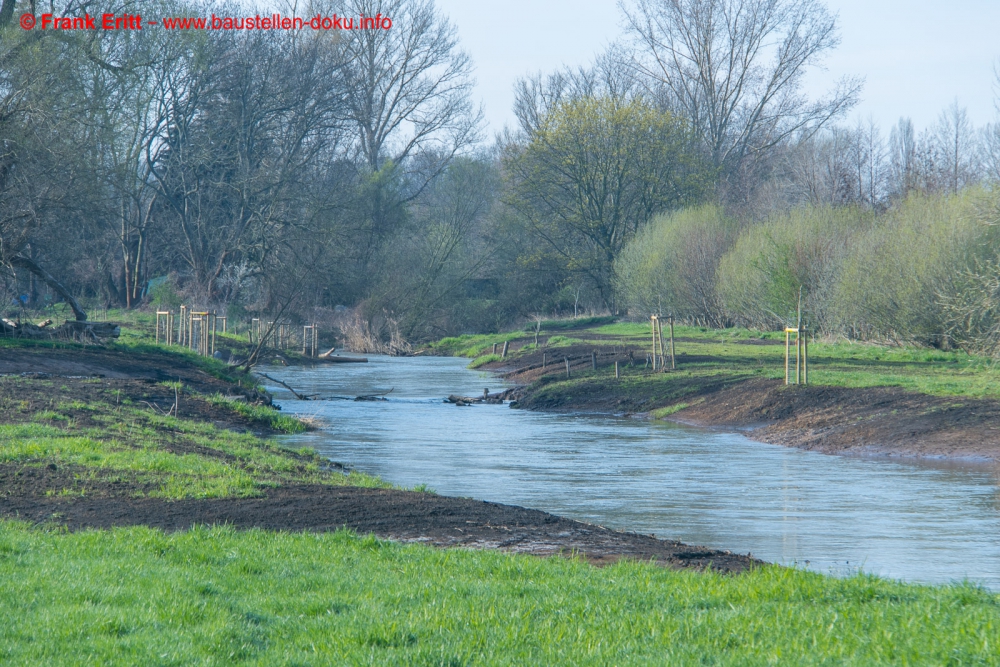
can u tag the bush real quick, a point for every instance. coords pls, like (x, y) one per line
(904, 269)
(760, 278)
(670, 266)
(163, 294)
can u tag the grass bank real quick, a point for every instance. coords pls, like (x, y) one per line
(220, 596)
(107, 416)
(861, 399)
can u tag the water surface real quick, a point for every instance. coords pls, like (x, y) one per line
(828, 513)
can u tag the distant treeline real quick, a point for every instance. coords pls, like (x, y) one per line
(345, 177)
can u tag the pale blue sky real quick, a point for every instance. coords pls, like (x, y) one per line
(917, 56)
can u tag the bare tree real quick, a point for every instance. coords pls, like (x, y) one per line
(956, 144)
(902, 158)
(407, 87)
(735, 68)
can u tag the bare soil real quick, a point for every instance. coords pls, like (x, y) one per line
(405, 516)
(880, 421)
(79, 498)
(875, 421)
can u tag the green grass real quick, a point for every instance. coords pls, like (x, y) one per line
(473, 345)
(572, 323)
(667, 411)
(263, 414)
(219, 596)
(483, 360)
(170, 457)
(840, 364)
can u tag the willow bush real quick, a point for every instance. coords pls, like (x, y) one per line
(759, 279)
(670, 265)
(925, 271)
(907, 276)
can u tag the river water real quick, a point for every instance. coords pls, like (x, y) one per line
(831, 514)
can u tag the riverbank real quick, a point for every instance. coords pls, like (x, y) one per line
(863, 400)
(105, 437)
(107, 554)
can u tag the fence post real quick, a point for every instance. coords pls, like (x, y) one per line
(787, 344)
(616, 370)
(805, 356)
(506, 344)
(673, 359)
(593, 360)
(567, 367)
(652, 324)
(543, 361)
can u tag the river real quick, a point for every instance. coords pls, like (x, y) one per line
(837, 515)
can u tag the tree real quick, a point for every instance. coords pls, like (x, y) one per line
(956, 148)
(734, 68)
(594, 172)
(407, 97)
(243, 119)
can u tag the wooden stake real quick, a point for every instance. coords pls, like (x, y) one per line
(593, 360)
(616, 371)
(506, 344)
(805, 357)
(567, 367)
(659, 335)
(673, 359)
(543, 359)
(652, 322)
(787, 344)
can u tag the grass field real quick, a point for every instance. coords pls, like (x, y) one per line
(217, 596)
(731, 352)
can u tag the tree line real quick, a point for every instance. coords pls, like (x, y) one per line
(345, 176)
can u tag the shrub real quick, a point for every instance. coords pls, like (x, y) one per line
(670, 266)
(760, 277)
(903, 269)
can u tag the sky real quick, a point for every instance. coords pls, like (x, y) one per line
(916, 56)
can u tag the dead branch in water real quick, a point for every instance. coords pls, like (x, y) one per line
(301, 397)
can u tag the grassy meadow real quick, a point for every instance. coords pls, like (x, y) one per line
(736, 354)
(219, 596)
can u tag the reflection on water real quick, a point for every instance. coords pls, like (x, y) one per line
(828, 513)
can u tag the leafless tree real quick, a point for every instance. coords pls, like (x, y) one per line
(735, 68)
(956, 143)
(902, 158)
(611, 76)
(407, 87)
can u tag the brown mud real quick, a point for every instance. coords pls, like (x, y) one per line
(873, 421)
(405, 516)
(46, 492)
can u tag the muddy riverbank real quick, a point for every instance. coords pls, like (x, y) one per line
(870, 421)
(54, 393)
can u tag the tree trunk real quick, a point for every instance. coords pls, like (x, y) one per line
(25, 263)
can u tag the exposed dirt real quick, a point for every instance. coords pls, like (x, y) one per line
(77, 497)
(397, 515)
(881, 421)
(876, 421)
